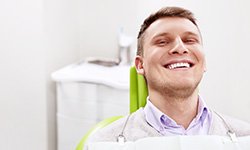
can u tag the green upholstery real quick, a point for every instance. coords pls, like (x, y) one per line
(138, 90)
(138, 94)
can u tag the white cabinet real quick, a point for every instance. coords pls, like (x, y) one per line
(87, 94)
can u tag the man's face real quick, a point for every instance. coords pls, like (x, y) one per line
(173, 58)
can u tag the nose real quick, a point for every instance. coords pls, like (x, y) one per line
(178, 47)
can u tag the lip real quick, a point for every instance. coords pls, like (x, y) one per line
(179, 61)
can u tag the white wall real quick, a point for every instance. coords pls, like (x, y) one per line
(100, 23)
(226, 84)
(36, 38)
(61, 28)
(22, 96)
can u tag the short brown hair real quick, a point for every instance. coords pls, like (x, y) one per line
(164, 12)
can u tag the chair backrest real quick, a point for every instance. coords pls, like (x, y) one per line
(138, 93)
(138, 90)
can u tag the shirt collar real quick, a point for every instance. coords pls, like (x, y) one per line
(153, 115)
(202, 111)
(159, 120)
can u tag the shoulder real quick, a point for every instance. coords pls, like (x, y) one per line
(110, 132)
(128, 125)
(241, 128)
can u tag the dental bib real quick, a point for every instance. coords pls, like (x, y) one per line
(198, 142)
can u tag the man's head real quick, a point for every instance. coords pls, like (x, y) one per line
(170, 53)
(162, 13)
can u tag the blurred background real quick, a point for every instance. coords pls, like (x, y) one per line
(38, 37)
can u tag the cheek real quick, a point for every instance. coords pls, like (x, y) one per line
(199, 53)
(153, 55)
(201, 59)
(202, 56)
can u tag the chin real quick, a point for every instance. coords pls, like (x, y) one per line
(184, 82)
(182, 91)
(184, 85)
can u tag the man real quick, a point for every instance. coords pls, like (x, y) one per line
(170, 57)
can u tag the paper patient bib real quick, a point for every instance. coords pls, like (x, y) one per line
(206, 142)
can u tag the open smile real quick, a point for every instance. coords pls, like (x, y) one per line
(179, 65)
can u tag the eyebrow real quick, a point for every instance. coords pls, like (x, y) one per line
(191, 33)
(160, 34)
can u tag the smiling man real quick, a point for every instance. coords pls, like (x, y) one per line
(170, 57)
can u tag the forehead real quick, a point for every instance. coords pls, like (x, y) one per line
(171, 25)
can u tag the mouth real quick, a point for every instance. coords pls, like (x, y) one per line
(179, 65)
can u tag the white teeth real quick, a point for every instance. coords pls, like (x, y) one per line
(179, 65)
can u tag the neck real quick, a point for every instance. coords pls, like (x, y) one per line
(181, 109)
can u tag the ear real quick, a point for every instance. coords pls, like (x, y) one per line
(139, 64)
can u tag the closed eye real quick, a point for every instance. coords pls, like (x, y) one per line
(162, 42)
(190, 41)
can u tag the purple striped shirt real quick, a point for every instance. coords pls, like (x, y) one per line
(167, 126)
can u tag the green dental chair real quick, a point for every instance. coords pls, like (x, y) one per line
(138, 94)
